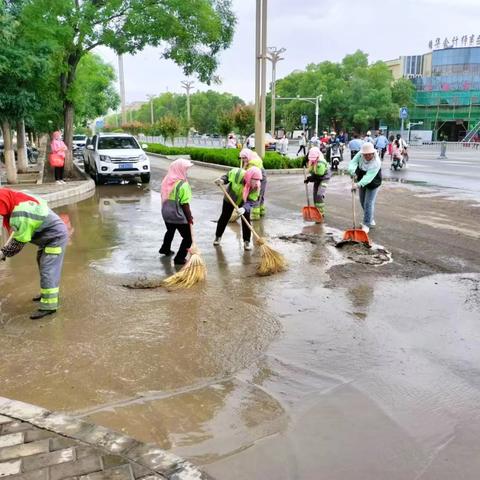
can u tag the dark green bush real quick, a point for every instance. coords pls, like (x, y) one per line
(223, 156)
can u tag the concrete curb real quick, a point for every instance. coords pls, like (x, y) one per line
(72, 194)
(284, 171)
(149, 456)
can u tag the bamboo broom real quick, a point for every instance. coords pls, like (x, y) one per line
(191, 273)
(271, 261)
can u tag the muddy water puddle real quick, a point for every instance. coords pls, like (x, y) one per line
(279, 377)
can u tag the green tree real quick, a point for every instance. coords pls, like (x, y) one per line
(192, 34)
(169, 127)
(226, 124)
(93, 92)
(21, 63)
(354, 93)
(403, 93)
(244, 119)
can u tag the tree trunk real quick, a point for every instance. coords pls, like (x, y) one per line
(8, 153)
(68, 113)
(22, 160)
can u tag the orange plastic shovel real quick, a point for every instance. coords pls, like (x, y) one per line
(355, 235)
(310, 214)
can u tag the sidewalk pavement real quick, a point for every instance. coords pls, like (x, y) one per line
(57, 195)
(36, 444)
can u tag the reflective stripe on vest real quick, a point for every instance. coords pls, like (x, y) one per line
(53, 250)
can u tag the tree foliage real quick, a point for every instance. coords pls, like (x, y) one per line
(190, 33)
(207, 109)
(355, 95)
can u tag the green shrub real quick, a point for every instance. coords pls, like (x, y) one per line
(224, 156)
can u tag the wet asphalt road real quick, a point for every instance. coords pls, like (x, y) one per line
(334, 369)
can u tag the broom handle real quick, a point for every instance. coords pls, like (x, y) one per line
(353, 204)
(192, 235)
(306, 186)
(235, 206)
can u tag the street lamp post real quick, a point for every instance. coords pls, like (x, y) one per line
(274, 57)
(152, 119)
(314, 100)
(188, 85)
(260, 75)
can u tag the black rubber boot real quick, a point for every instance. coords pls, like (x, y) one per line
(167, 253)
(179, 261)
(41, 313)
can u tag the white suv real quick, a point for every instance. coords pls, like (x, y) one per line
(116, 155)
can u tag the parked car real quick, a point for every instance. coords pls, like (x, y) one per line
(117, 155)
(78, 145)
(270, 142)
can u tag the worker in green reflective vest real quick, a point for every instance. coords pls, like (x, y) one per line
(30, 220)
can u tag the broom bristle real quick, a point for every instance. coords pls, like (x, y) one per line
(271, 261)
(192, 272)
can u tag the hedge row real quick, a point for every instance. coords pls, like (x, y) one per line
(224, 156)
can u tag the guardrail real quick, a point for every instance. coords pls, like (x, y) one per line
(450, 146)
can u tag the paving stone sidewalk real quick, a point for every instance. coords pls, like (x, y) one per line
(36, 444)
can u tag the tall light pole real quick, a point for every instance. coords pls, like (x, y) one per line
(188, 85)
(274, 57)
(260, 75)
(121, 78)
(315, 100)
(152, 119)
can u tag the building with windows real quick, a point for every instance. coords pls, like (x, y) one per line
(447, 82)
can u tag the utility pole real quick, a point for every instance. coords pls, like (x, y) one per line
(260, 75)
(121, 78)
(274, 57)
(188, 85)
(152, 119)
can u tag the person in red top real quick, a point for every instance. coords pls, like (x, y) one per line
(29, 220)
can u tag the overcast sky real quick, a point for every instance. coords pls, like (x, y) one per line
(311, 31)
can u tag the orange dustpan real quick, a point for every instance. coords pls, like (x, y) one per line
(355, 235)
(310, 214)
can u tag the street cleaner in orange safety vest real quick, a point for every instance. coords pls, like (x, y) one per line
(244, 188)
(31, 221)
(251, 159)
(320, 174)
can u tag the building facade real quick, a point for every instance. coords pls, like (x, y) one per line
(447, 83)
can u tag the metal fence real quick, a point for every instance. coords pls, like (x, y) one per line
(182, 141)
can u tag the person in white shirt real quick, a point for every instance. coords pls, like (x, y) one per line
(302, 144)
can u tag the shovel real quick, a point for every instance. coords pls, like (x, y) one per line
(355, 235)
(310, 214)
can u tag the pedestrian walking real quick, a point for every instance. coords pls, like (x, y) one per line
(355, 145)
(244, 188)
(57, 156)
(302, 144)
(251, 159)
(177, 215)
(284, 145)
(366, 166)
(231, 141)
(320, 174)
(31, 221)
(368, 138)
(381, 143)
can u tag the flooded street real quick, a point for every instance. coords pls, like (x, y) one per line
(339, 368)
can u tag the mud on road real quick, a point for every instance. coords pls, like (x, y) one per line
(353, 364)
